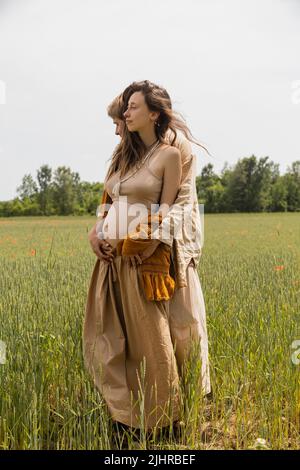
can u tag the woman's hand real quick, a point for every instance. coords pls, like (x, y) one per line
(102, 248)
(139, 258)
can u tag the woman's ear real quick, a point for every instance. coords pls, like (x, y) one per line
(154, 115)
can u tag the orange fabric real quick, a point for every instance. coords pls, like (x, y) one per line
(106, 199)
(158, 283)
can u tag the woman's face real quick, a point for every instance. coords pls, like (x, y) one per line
(119, 126)
(137, 115)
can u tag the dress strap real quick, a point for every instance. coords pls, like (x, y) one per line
(147, 165)
(116, 188)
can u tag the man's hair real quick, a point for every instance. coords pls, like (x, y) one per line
(114, 109)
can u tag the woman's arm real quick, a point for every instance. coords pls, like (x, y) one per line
(171, 179)
(172, 173)
(169, 227)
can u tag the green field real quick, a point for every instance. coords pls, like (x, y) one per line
(250, 275)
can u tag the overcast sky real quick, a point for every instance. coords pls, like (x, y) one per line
(229, 65)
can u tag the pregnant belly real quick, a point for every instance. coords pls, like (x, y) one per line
(122, 218)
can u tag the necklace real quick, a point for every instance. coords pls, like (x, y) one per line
(116, 188)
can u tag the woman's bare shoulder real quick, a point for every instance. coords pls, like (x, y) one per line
(170, 152)
(166, 155)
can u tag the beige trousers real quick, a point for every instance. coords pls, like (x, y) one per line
(187, 318)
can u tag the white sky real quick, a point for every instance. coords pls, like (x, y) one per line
(229, 66)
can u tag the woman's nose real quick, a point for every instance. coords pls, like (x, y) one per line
(125, 114)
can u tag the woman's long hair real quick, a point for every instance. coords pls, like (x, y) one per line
(131, 148)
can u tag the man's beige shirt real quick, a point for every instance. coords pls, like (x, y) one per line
(182, 228)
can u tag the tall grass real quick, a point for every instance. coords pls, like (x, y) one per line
(250, 275)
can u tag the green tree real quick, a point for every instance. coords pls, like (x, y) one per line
(44, 176)
(91, 194)
(207, 187)
(65, 184)
(292, 182)
(28, 188)
(249, 185)
(279, 195)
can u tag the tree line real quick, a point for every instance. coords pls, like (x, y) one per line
(250, 185)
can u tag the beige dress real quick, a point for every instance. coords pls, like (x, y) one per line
(127, 342)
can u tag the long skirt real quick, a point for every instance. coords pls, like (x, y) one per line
(135, 349)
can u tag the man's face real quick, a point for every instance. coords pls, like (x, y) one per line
(119, 126)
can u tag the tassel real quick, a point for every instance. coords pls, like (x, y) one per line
(158, 286)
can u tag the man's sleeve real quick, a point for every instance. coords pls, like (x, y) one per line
(172, 223)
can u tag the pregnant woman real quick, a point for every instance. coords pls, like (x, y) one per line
(187, 313)
(127, 342)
